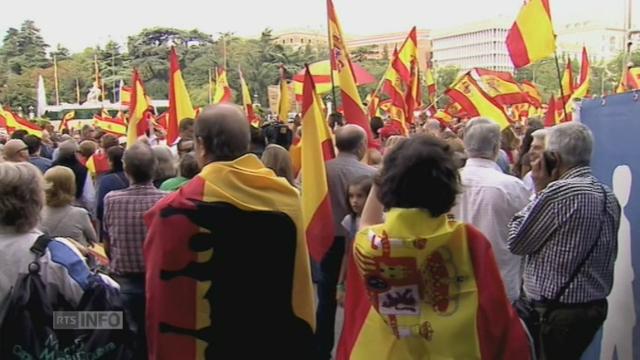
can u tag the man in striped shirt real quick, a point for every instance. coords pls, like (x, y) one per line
(568, 236)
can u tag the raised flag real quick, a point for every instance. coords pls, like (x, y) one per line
(138, 109)
(64, 123)
(582, 88)
(394, 88)
(113, 126)
(413, 97)
(284, 100)
(500, 86)
(341, 62)
(180, 107)
(223, 92)
(247, 104)
(476, 102)
(533, 94)
(125, 95)
(407, 57)
(15, 122)
(567, 81)
(373, 104)
(317, 148)
(431, 85)
(531, 38)
(630, 80)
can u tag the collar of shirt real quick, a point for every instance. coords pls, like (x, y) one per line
(142, 186)
(346, 155)
(483, 163)
(580, 171)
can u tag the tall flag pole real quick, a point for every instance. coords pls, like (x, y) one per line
(99, 82)
(55, 79)
(284, 100)
(317, 148)
(77, 92)
(531, 38)
(180, 106)
(210, 87)
(564, 110)
(341, 62)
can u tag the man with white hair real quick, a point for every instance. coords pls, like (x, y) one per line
(490, 198)
(568, 236)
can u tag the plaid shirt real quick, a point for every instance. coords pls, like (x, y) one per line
(123, 222)
(557, 230)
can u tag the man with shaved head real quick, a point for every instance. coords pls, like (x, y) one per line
(226, 256)
(351, 141)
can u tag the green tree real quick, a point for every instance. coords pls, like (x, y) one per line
(60, 53)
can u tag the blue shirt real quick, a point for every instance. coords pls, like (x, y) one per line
(41, 163)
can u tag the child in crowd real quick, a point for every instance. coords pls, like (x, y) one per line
(356, 197)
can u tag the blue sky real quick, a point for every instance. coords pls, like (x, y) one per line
(79, 24)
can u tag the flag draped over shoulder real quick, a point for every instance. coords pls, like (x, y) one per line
(341, 62)
(179, 102)
(531, 38)
(223, 92)
(138, 109)
(13, 122)
(475, 102)
(316, 149)
(225, 256)
(428, 294)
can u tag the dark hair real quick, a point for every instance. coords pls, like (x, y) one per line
(185, 124)
(335, 119)
(532, 126)
(419, 172)
(364, 182)
(114, 154)
(189, 166)
(19, 134)
(279, 134)
(108, 140)
(33, 143)
(376, 124)
(140, 162)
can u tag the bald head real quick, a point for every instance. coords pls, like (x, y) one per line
(16, 150)
(222, 133)
(351, 139)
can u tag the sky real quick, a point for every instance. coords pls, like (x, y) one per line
(80, 24)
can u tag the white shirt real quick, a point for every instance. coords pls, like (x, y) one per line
(488, 201)
(528, 182)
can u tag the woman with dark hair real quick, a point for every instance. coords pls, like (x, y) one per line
(85, 191)
(419, 285)
(114, 180)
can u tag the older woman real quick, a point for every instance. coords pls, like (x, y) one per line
(277, 158)
(419, 285)
(59, 217)
(166, 168)
(21, 200)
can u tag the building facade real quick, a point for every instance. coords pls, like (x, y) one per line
(382, 45)
(301, 38)
(480, 44)
(603, 42)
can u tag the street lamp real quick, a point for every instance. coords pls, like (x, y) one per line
(31, 114)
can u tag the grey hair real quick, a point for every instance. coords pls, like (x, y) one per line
(165, 163)
(21, 195)
(482, 139)
(573, 142)
(432, 125)
(540, 134)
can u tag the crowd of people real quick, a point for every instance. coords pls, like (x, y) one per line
(444, 239)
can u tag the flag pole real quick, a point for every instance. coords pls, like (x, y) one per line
(55, 79)
(331, 61)
(210, 87)
(77, 92)
(564, 106)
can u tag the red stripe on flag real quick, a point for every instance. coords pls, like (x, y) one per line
(328, 151)
(464, 102)
(500, 332)
(354, 114)
(545, 3)
(317, 240)
(357, 305)
(517, 47)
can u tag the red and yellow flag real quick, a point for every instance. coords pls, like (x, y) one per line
(550, 115)
(630, 80)
(500, 86)
(393, 87)
(373, 104)
(531, 38)
(125, 95)
(64, 123)
(138, 109)
(247, 104)
(317, 148)
(427, 294)
(407, 57)
(341, 62)
(14, 122)
(533, 94)
(431, 85)
(284, 100)
(413, 98)
(223, 92)
(179, 102)
(113, 126)
(567, 81)
(476, 102)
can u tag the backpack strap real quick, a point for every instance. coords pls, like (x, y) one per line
(39, 247)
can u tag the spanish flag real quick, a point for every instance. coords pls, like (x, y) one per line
(125, 95)
(432, 292)
(98, 163)
(225, 256)
(431, 85)
(394, 88)
(407, 57)
(284, 100)
(501, 86)
(341, 62)
(14, 122)
(413, 97)
(138, 108)
(113, 126)
(582, 89)
(475, 102)
(550, 115)
(179, 102)
(64, 123)
(531, 38)
(317, 148)
(246, 101)
(567, 81)
(533, 94)
(373, 104)
(630, 80)
(223, 92)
